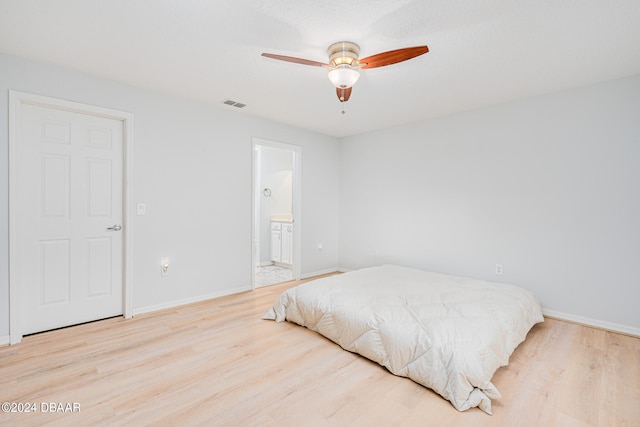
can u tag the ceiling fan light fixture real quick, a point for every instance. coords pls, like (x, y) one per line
(343, 76)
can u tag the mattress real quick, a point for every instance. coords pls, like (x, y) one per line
(448, 333)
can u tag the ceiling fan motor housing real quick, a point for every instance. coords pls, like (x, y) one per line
(343, 53)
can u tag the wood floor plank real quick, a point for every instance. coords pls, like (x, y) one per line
(218, 363)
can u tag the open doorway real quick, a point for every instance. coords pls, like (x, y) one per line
(276, 213)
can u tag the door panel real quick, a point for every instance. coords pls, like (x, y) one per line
(69, 180)
(99, 187)
(99, 252)
(55, 282)
(55, 188)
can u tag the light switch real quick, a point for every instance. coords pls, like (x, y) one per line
(142, 209)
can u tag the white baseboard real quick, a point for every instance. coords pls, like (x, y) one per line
(345, 270)
(5, 340)
(172, 304)
(614, 327)
(318, 273)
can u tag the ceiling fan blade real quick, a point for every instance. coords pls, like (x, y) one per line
(343, 94)
(392, 57)
(295, 60)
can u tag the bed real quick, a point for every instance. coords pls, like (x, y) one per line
(445, 332)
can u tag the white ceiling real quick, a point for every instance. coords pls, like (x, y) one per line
(482, 52)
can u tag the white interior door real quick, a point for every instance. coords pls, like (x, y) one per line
(68, 217)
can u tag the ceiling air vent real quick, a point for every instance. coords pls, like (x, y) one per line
(234, 103)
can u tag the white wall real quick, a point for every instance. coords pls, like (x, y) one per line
(549, 187)
(193, 171)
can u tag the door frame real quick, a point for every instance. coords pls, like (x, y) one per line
(16, 100)
(296, 205)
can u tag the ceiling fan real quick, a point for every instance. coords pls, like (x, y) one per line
(344, 63)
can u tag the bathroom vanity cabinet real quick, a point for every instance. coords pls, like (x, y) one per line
(282, 242)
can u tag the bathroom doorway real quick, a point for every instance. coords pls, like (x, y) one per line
(276, 213)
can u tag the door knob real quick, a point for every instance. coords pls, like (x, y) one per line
(116, 227)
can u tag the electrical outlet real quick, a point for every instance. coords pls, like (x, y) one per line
(499, 269)
(320, 247)
(164, 267)
(375, 252)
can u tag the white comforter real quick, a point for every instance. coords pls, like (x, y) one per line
(445, 332)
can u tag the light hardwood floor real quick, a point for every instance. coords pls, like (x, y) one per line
(216, 363)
